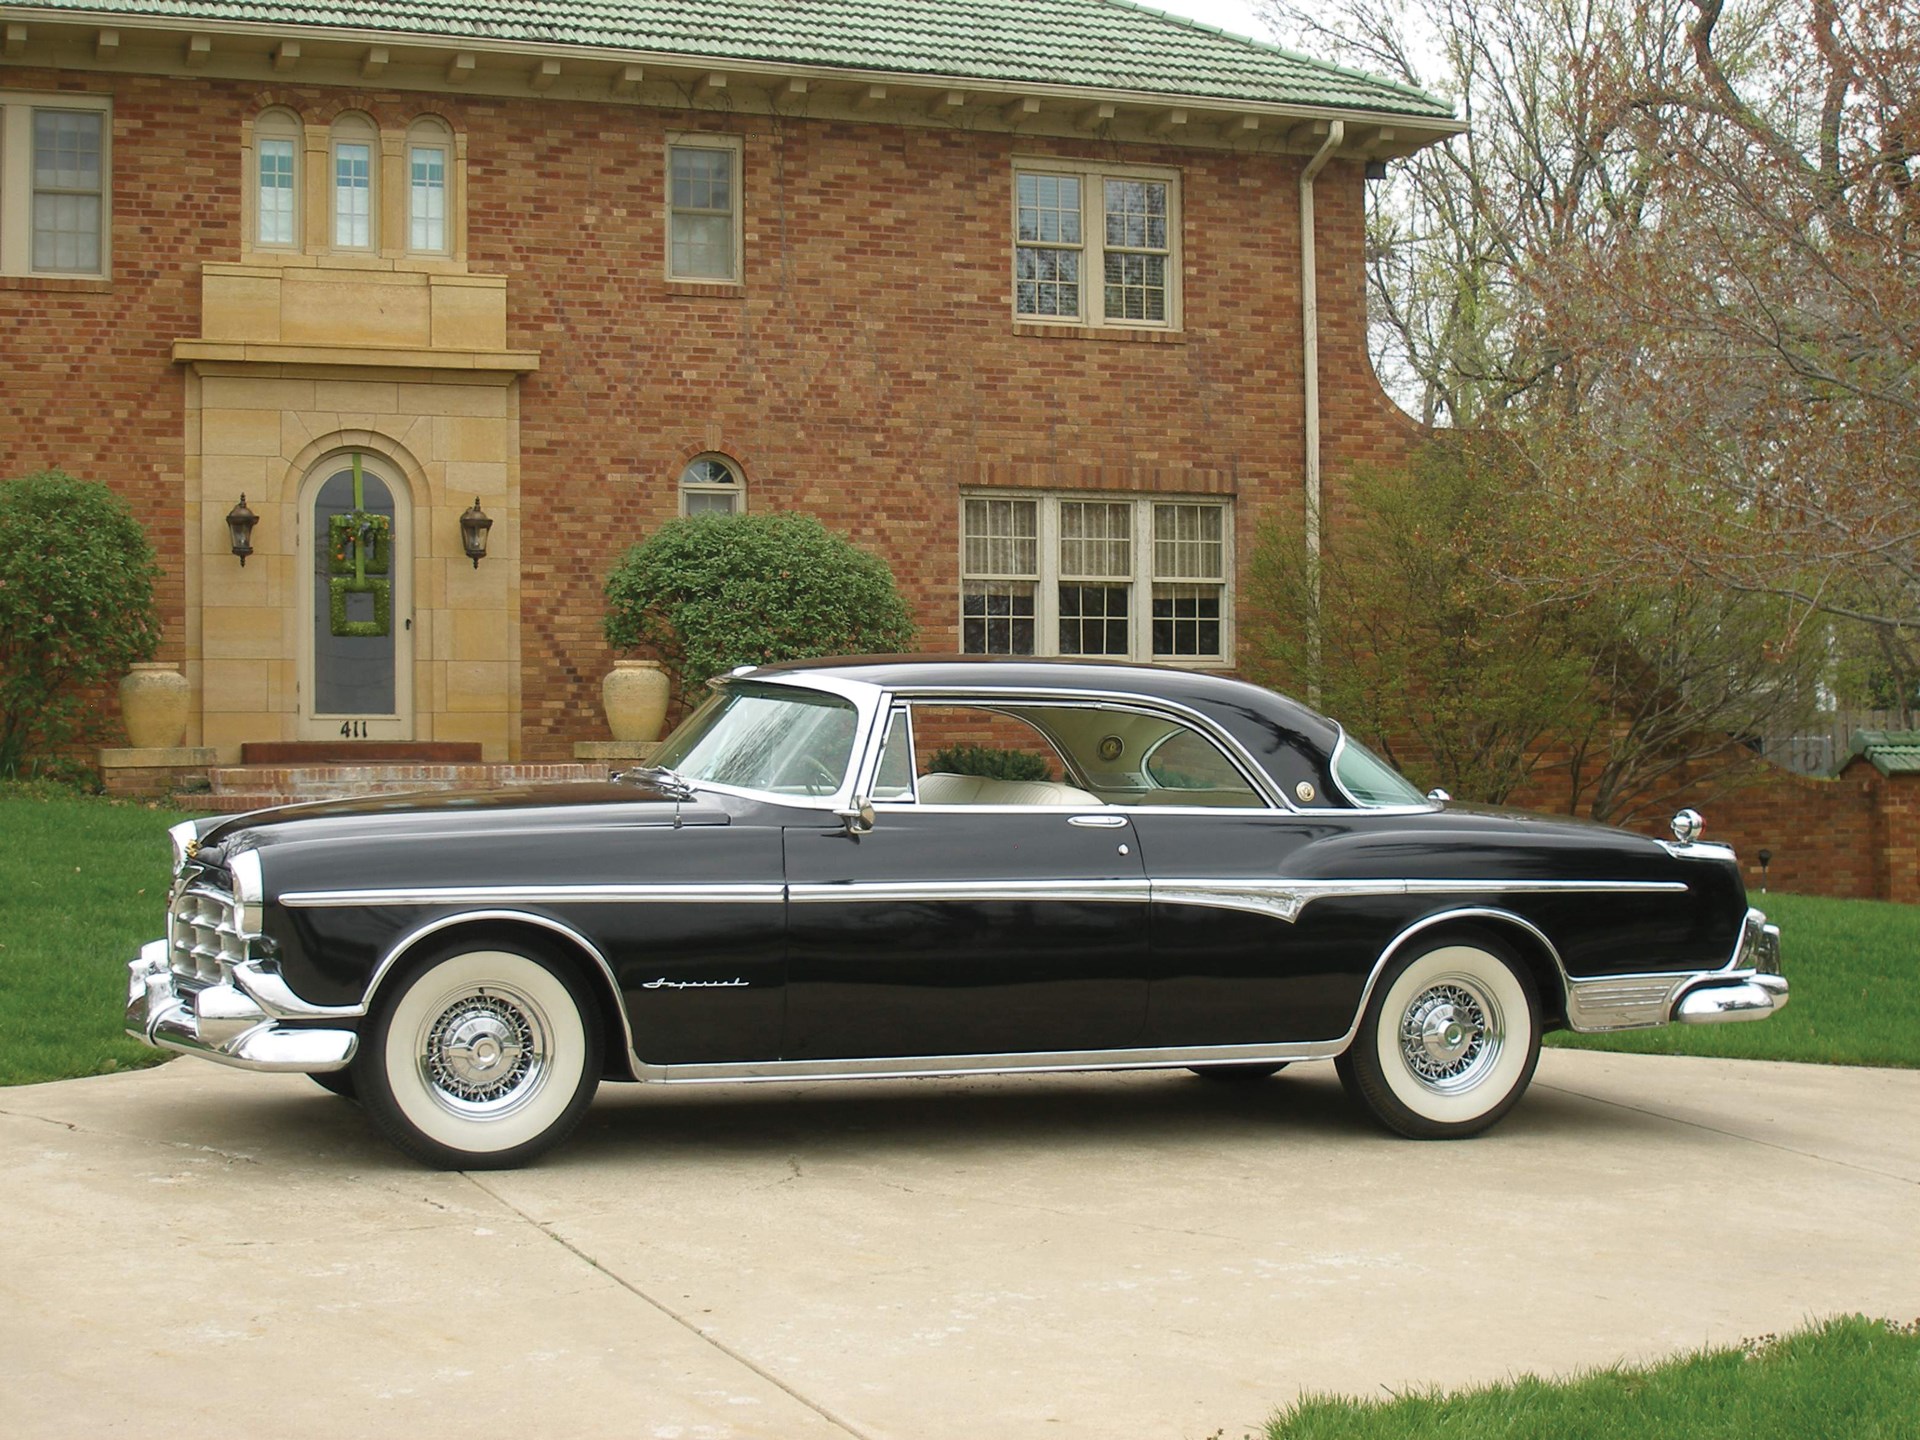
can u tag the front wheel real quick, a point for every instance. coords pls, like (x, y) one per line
(481, 1058)
(1448, 1042)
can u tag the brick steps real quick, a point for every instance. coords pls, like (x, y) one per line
(238, 788)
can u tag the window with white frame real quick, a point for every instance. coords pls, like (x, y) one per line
(355, 148)
(1131, 578)
(429, 166)
(1095, 245)
(703, 209)
(711, 485)
(277, 148)
(55, 206)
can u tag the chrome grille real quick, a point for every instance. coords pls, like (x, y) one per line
(204, 938)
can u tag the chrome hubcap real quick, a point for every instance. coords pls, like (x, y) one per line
(485, 1052)
(1450, 1035)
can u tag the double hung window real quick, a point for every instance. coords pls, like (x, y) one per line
(54, 192)
(703, 209)
(1095, 245)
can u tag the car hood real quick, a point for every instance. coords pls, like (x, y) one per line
(520, 808)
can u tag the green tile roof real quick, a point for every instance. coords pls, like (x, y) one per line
(1891, 752)
(1104, 44)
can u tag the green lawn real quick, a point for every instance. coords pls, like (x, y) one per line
(1854, 966)
(83, 884)
(1849, 1379)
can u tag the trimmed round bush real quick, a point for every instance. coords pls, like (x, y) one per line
(712, 592)
(76, 604)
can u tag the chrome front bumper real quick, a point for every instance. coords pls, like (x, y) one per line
(222, 1022)
(1749, 987)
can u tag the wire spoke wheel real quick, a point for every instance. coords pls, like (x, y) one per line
(481, 1058)
(1448, 1041)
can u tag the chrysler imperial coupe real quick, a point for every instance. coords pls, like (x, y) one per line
(1189, 872)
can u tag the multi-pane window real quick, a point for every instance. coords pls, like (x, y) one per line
(55, 184)
(276, 195)
(703, 212)
(426, 197)
(1046, 265)
(1189, 578)
(1072, 575)
(710, 485)
(69, 189)
(1094, 246)
(1000, 576)
(352, 195)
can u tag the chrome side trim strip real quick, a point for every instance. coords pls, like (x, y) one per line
(903, 1066)
(1285, 899)
(725, 893)
(1132, 892)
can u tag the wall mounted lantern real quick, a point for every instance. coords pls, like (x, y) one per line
(240, 523)
(474, 525)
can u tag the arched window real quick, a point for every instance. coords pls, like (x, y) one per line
(712, 485)
(430, 175)
(356, 179)
(276, 150)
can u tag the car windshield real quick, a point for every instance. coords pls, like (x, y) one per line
(1369, 780)
(764, 737)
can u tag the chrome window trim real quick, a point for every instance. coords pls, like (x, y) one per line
(1353, 806)
(870, 705)
(1254, 773)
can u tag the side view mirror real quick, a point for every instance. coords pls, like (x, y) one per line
(1438, 796)
(858, 817)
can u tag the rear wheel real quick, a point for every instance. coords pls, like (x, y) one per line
(481, 1057)
(1448, 1042)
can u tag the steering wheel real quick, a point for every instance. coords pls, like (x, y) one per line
(823, 780)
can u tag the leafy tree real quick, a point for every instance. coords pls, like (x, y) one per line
(1677, 261)
(76, 604)
(709, 593)
(1454, 674)
(1440, 643)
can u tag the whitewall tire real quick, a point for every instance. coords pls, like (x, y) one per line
(1448, 1042)
(480, 1058)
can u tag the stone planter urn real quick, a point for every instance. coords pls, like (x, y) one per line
(154, 699)
(635, 697)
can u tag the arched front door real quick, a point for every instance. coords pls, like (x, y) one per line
(356, 545)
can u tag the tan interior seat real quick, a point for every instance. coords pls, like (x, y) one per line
(943, 788)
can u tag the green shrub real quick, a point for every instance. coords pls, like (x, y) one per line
(712, 592)
(76, 604)
(993, 763)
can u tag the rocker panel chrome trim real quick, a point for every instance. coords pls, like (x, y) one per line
(901, 1067)
(724, 893)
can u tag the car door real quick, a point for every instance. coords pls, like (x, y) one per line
(1232, 965)
(965, 929)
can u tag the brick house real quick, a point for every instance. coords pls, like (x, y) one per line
(1009, 290)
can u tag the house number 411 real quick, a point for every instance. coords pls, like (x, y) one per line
(353, 729)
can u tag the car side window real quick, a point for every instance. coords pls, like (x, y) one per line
(1187, 769)
(894, 779)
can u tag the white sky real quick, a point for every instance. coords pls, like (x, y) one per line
(1234, 15)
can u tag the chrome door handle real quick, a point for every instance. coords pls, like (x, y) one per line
(1098, 822)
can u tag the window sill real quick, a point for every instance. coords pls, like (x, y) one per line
(1123, 334)
(707, 289)
(56, 284)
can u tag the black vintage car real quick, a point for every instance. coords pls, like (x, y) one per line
(1202, 874)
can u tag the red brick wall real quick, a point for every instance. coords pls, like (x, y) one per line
(866, 372)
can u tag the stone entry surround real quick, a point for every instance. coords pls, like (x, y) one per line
(297, 367)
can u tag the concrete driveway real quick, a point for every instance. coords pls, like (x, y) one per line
(193, 1250)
